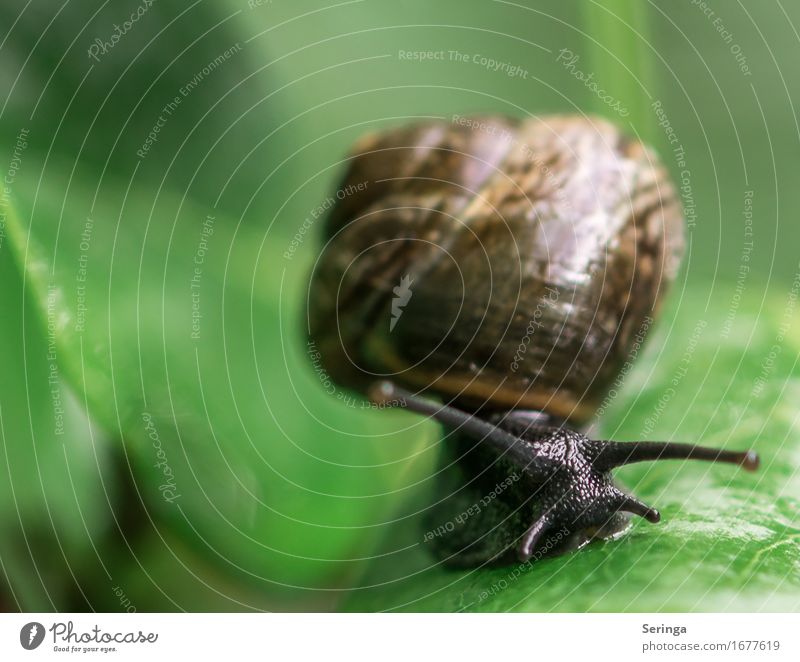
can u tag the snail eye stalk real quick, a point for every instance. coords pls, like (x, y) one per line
(605, 455)
(614, 454)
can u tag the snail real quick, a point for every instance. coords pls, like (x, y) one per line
(506, 267)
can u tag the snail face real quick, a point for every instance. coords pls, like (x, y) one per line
(561, 484)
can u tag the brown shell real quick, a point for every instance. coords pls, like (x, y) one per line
(495, 262)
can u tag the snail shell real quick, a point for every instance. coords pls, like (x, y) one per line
(499, 263)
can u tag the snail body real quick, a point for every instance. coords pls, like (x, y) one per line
(505, 266)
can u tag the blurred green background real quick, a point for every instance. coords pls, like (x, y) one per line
(167, 443)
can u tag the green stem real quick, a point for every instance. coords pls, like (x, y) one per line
(618, 52)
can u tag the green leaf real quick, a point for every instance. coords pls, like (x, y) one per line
(174, 99)
(728, 540)
(53, 502)
(182, 330)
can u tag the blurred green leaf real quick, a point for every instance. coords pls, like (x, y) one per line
(53, 501)
(728, 540)
(183, 332)
(177, 98)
